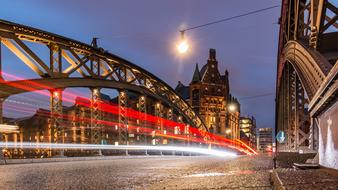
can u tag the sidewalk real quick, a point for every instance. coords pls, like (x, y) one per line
(289, 178)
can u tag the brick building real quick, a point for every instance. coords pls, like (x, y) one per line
(209, 95)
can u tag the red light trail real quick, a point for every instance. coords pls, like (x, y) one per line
(114, 109)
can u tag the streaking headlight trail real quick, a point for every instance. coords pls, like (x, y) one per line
(205, 151)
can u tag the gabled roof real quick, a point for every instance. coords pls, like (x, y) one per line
(182, 90)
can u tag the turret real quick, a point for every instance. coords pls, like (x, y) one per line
(196, 77)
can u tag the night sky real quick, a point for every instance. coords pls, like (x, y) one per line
(145, 32)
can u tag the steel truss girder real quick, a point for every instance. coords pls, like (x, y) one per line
(78, 55)
(123, 118)
(293, 117)
(307, 20)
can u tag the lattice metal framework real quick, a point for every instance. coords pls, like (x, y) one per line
(294, 119)
(70, 59)
(142, 108)
(82, 123)
(306, 66)
(123, 118)
(56, 114)
(96, 116)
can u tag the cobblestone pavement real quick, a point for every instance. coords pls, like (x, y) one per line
(287, 178)
(167, 172)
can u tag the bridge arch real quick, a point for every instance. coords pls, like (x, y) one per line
(310, 66)
(97, 68)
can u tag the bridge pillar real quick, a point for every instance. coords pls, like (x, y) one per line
(159, 121)
(56, 130)
(82, 120)
(142, 120)
(123, 118)
(170, 118)
(95, 117)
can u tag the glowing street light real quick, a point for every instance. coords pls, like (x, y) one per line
(183, 46)
(228, 131)
(232, 107)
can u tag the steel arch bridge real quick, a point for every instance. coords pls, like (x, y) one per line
(75, 64)
(307, 71)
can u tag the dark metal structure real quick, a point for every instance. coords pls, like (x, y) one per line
(75, 64)
(307, 70)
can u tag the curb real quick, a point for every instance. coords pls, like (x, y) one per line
(275, 181)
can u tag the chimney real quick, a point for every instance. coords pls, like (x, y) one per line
(212, 54)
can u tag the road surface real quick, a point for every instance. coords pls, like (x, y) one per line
(167, 172)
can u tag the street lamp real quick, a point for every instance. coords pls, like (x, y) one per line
(183, 46)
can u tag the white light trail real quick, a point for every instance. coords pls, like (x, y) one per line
(205, 151)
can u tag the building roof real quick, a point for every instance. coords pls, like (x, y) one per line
(182, 90)
(197, 76)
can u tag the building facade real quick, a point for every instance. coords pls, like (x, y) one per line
(264, 139)
(209, 95)
(247, 127)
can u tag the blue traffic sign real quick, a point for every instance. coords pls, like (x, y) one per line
(280, 137)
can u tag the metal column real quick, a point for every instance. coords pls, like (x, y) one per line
(159, 122)
(143, 130)
(56, 117)
(170, 118)
(95, 117)
(142, 121)
(123, 119)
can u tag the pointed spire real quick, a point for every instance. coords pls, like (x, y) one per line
(196, 77)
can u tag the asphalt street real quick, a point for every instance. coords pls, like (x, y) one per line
(167, 172)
